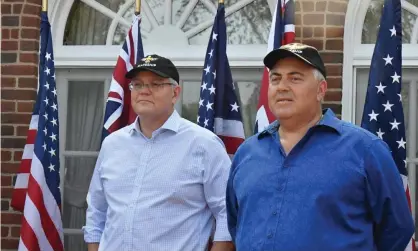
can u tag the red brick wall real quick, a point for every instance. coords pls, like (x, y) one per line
(321, 24)
(20, 21)
(318, 23)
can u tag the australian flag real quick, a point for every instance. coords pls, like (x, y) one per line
(219, 109)
(383, 112)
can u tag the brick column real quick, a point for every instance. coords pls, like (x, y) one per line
(19, 59)
(321, 24)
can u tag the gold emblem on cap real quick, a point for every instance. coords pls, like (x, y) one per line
(296, 46)
(148, 59)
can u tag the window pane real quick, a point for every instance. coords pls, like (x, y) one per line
(86, 26)
(74, 242)
(84, 115)
(248, 94)
(249, 25)
(372, 22)
(78, 173)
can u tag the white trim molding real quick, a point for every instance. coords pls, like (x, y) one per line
(182, 54)
(357, 54)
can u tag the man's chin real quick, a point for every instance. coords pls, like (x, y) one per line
(282, 115)
(144, 111)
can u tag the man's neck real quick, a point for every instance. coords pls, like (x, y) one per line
(150, 124)
(298, 127)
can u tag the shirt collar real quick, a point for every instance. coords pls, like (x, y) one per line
(328, 120)
(171, 124)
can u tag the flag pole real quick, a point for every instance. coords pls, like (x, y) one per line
(44, 5)
(137, 7)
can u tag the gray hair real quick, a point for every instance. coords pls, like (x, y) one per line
(318, 75)
(173, 82)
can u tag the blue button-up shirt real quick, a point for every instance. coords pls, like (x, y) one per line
(159, 193)
(337, 190)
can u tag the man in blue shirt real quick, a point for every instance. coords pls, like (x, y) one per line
(311, 181)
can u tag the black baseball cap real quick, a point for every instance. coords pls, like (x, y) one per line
(308, 54)
(159, 65)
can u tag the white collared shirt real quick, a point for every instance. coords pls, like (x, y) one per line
(161, 193)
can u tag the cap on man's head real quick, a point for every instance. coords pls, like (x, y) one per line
(161, 66)
(306, 53)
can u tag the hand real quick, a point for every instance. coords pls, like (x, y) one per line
(222, 246)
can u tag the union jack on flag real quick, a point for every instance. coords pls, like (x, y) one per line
(118, 112)
(37, 188)
(219, 109)
(282, 32)
(383, 112)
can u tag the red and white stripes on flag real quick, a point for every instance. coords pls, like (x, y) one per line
(118, 112)
(282, 32)
(21, 184)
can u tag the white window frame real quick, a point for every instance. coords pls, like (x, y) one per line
(63, 78)
(104, 56)
(358, 55)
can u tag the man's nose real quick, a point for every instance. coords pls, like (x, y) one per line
(145, 90)
(283, 86)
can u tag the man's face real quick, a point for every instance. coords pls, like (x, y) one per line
(293, 89)
(156, 97)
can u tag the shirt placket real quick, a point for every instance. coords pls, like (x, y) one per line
(283, 173)
(130, 210)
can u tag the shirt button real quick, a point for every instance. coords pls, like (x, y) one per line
(275, 212)
(270, 235)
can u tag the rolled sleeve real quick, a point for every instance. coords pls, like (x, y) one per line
(392, 217)
(97, 207)
(216, 173)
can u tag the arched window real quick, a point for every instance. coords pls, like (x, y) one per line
(87, 36)
(362, 20)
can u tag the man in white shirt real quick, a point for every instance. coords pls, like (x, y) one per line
(159, 183)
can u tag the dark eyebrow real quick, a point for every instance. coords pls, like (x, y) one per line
(273, 73)
(290, 73)
(296, 73)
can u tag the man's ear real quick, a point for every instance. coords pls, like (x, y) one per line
(176, 93)
(322, 89)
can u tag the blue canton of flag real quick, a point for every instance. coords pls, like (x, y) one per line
(47, 143)
(383, 113)
(219, 109)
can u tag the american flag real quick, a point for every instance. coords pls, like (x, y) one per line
(383, 112)
(219, 109)
(37, 192)
(282, 32)
(118, 112)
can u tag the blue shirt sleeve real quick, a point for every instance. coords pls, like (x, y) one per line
(393, 223)
(231, 200)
